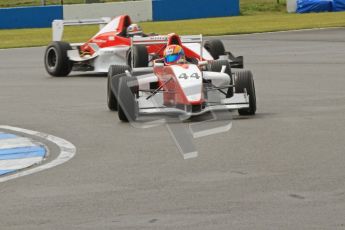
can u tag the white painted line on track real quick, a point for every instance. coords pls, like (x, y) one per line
(67, 152)
(16, 143)
(24, 163)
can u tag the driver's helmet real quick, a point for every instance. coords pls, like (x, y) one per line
(134, 30)
(174, 54)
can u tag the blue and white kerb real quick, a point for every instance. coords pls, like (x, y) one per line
(18, 152)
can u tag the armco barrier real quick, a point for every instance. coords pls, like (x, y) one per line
(137, 10)
(29, 17)
(188, 9)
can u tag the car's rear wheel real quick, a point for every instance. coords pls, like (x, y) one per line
(216, 66)
(56, 61)
(115, 71)
(244, 82)
(127, 105)
(140, 57)
(215, 47)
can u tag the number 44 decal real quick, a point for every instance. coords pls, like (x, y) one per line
(185, 76)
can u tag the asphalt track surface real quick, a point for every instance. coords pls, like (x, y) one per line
(282, 169)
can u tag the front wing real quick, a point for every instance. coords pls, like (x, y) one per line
(238, 101)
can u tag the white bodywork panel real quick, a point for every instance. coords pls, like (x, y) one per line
(103, 58)
(218, 79)
(110, 56)
(111, 26)
(191, 84)
(154, 102)
(144, 84)
(145, 80)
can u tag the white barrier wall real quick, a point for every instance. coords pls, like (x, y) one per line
(137, 10)
(291, 6)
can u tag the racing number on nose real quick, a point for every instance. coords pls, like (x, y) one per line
(185, 76)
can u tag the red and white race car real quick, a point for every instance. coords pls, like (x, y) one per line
(108, 46)
(190, 88)
(112, 46)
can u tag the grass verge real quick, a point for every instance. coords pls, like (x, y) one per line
(267, 22)
(254, 7)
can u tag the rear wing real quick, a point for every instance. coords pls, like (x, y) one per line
(163, 39)
(58, 25)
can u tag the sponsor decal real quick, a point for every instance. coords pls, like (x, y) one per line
(99, 41)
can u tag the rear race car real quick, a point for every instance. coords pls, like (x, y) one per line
(111, 45)
(195, 87)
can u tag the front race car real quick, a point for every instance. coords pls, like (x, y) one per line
(187, 89)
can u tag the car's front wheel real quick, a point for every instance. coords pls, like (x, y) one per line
(115, 71)
(127, 105)
(244, 82)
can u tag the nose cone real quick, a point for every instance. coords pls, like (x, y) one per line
(189, 80)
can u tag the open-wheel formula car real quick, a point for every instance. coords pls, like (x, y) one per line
(192, 87)
(109, 46)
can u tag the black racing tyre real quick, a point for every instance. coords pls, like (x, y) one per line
(115, 71)
(215, 47)
(127, 105)
(56, 60)
(216, 66)
(140, 56)
(244, 80)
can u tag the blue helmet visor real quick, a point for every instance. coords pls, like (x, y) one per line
(172, 58)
